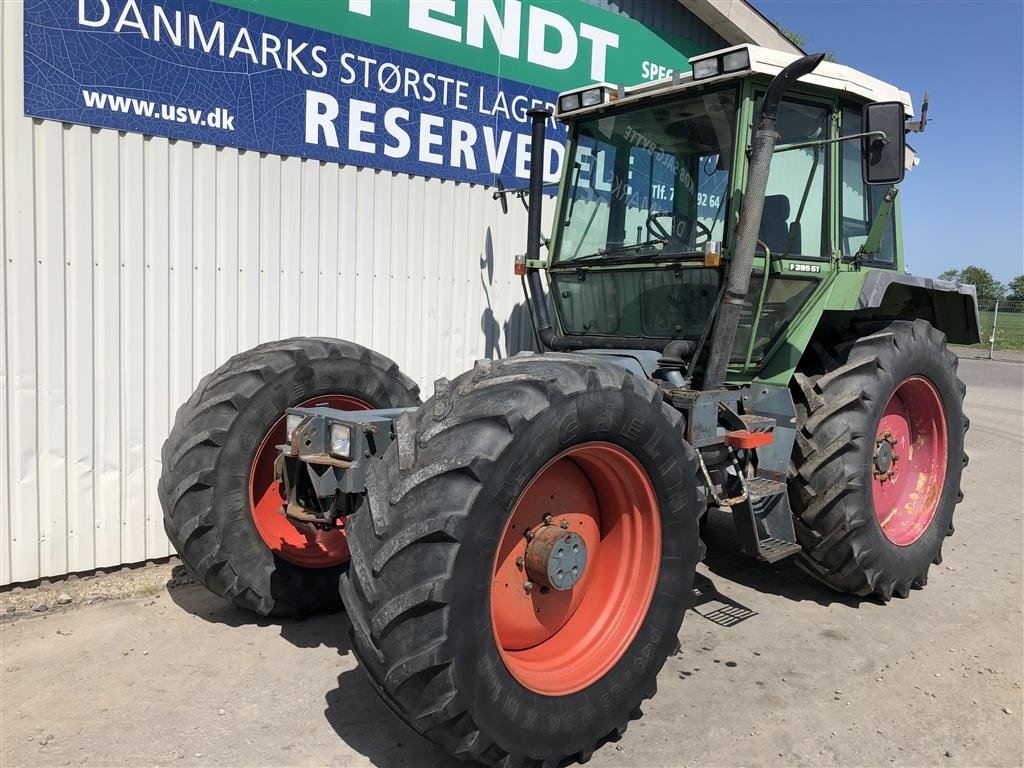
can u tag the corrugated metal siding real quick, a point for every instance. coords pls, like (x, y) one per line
(131, 266)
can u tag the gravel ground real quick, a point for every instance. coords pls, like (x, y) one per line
(775, 670)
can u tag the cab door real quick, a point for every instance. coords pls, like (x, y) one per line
(795, 240)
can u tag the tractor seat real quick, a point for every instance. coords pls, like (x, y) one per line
(775, 227)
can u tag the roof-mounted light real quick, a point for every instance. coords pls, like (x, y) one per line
(712, 65)
(569, 103)
(705, 68)
(585, 98)
(736, 60)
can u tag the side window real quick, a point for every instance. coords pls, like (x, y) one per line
(859, 202)
(794, 220)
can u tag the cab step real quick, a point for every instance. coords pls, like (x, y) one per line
(772, 550)
(764, 522)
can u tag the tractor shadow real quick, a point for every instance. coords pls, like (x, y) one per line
(353, 709)
(329, 630)
(783, 578)
(363, 721)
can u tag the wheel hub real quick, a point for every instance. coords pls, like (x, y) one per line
(555, 557)
(885, 456)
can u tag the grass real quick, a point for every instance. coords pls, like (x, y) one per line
(1009, 329)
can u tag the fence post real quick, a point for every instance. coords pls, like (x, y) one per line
(992, 338)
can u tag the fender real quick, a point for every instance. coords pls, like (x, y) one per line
(950, 307)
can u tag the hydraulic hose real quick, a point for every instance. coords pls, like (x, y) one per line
(737, 280)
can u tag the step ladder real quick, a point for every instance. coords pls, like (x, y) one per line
(764, 521)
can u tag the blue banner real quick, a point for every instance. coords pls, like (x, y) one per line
(199, 71)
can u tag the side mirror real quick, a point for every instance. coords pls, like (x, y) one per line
(884, 158)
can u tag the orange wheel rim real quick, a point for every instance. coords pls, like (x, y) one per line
(320, 550)
(556, 641)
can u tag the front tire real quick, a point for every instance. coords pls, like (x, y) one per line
(879, 455)
(220, 499)
(443, 620)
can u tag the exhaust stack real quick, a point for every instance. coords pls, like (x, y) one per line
(742, 263)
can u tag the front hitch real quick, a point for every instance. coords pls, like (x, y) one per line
(323, 465)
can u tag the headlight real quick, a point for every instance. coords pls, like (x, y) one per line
(290, 423)
(705, 68)
(735, 61)
(569, 103)
(592, 97)
(341, 441)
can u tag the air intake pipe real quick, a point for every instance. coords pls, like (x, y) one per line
(737, 280)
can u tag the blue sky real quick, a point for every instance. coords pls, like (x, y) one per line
(964, 203)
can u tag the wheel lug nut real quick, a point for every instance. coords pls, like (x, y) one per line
(529, 535)
(520, 562)
(547, 519)
(528, 586)
(564, 525)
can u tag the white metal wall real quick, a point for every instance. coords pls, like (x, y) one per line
(132, 266)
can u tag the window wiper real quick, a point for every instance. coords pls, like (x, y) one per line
(621, 249)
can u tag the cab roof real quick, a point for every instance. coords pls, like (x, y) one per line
(834, 77)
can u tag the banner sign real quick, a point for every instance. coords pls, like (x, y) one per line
(430, 87)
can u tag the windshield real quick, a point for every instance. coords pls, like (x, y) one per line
(649, 182)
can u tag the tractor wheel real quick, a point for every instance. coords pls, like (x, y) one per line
(222, 506)
(879, 454)
(524, 559)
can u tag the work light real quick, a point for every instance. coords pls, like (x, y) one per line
(735, 61)
(592, 97)
(341, 441)
(705, 68)
(569, 102)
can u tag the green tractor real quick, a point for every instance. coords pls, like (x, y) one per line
(724, 321)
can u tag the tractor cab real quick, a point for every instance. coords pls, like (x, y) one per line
(650, 200)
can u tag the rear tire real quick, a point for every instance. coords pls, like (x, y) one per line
(871, 521)
(215, 463)
(426, 591)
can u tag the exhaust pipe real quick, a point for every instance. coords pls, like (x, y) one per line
(742, 263)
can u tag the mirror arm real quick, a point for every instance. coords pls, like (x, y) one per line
(873, 243)
(821, 142)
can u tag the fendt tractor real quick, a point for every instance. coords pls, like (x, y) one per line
(724, 322)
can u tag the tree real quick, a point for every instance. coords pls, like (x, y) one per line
(800, 41)
(1016, 287)
(987, 286)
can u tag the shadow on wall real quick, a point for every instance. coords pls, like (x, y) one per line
(517, 330)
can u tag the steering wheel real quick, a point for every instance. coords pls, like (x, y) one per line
(657, 229)
(704, 231)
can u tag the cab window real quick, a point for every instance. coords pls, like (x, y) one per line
(858, 202)
(794, 218)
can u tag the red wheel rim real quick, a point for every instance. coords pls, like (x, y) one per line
(320, 550)
(557, 642)
(909, 463)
